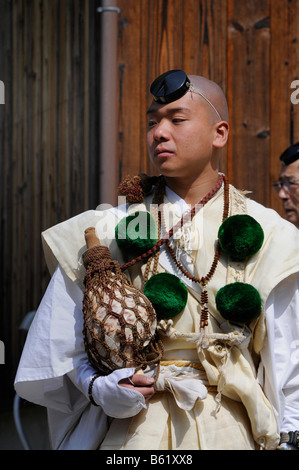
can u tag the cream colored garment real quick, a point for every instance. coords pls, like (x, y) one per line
(256, 271)
(186, 384)
(242, 412)
(227, 365)
(176, 429)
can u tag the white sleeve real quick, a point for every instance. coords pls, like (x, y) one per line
(52, 353)
(54, 344)
(280, 355)
(53, 358)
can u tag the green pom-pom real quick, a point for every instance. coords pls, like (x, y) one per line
(240, 236)
(238, 302)
(167, 294)
(136, 233)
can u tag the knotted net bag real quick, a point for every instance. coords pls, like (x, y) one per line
(119, 320)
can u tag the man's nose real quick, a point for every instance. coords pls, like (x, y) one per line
(161, 131)
(283, 194)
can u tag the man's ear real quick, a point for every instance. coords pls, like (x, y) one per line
(221, 134)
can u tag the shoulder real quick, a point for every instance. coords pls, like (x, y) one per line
(270, 220)
(64, 243)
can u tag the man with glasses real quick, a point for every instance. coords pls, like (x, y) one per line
(287, 187)
(229, 375)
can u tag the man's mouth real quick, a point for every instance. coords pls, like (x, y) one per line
(288, 209)
(162, 152)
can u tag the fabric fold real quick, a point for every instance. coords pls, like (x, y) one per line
(185, 383)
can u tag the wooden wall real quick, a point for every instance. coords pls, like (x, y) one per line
(250, 48)
(48, 144)
(49, 51)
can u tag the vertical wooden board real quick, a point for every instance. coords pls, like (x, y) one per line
(204, 39)
(192, 37)
(248, 91)
(17, 161)
(280, 91)
(48, 163)
(129, 89)
(294, 65)
(25, 200)
(205, 44)
(6, 199)
(78, 176)
(43, 94)
(89, 8)
(37, 125)
(50, 106)
(171, 56)
(145, 79)
(63, 70)
(44, 54)
(284, 71)
(92, 97)
(21, 186)
(75, 99)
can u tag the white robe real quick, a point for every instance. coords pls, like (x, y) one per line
(54, 347)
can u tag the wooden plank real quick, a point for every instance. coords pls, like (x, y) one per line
(248, 91)
(283, 71)
(78, 71)
(205, 44)
(41, 49)
(17, 183)
(155, 37)
(6, 201)
(129, 89)
(87, 8)
(294, 64)
(38, 273)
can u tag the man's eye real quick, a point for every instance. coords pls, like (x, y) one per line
(177, 120)
(151, 123)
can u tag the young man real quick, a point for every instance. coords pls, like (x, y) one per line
(287, 186)
(229, 376)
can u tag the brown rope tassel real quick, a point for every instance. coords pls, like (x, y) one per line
(119, 321)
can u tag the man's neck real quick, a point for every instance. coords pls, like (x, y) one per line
(192, 190)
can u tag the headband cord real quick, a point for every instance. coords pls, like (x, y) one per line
(194, 90)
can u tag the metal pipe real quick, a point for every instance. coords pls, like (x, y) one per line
(18, 422)
(108, 113)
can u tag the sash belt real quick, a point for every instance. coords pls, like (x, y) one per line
(187, 381)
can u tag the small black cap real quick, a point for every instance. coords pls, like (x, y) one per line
(291, 154)
(170, 86)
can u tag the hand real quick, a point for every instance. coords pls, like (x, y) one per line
(141, 383)
(121, 394)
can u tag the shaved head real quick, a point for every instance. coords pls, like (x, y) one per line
(213, 94)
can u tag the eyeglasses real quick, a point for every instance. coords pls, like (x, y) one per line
(288, 185)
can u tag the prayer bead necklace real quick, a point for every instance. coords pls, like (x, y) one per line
(203, 281)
